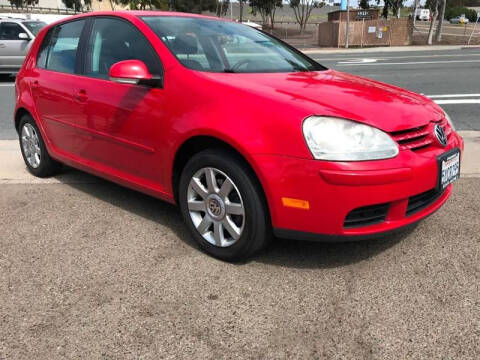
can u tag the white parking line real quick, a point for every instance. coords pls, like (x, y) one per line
(453, 96)
(458, 101)
(397, 57)
(9, 84)
(358, 61)
(412, 63)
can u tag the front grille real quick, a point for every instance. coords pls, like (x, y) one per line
(367, 215)
(419, 137)
(421, 201)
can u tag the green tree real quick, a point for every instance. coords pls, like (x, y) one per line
(364, 4)
(266, 9)
(394, 5)
(194, 6)
(77, 5)
(303, 10)
(22, 3)
(144, 4)
(222, 7)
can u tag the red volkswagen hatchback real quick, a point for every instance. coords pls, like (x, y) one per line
(246, 134)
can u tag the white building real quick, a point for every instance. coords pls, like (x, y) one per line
(54, 4)
(97, 5)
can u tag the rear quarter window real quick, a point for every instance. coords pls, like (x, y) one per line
(58, 51)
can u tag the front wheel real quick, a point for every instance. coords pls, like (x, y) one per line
(223, 205)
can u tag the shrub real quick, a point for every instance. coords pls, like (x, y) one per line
(470, 14)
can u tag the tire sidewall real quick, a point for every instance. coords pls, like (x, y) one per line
(255, 227)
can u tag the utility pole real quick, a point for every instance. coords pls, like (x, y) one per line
(347, 33)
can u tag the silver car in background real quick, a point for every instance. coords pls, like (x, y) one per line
(16, 37)
(459, 20)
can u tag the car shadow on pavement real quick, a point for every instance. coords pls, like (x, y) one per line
(280, 252)
(134, 202)
(311, 254)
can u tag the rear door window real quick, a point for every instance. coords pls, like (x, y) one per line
(59, 50)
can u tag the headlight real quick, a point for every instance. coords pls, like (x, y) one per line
(449, 121)
(344, 140)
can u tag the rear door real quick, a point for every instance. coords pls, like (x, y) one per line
(54, 81)
(12, 48)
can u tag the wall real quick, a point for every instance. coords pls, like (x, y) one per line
(341, 15)
(381, 32)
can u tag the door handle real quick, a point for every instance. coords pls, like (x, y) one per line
(81, 96)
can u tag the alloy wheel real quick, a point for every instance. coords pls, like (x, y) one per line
(216, 207)
(31, 145)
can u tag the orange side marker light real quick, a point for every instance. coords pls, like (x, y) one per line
(296, 203)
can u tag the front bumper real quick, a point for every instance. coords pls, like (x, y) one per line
(334, 189)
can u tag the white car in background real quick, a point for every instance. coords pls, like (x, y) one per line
(459, 20)
(422, 14)
(16, 37)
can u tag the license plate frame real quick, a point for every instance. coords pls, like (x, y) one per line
(443, 159)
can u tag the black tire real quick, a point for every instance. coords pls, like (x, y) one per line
(257, 227)
(47, 166)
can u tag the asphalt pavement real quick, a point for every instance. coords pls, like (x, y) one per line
(97, 271)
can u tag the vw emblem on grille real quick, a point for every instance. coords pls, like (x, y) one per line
(440, 135)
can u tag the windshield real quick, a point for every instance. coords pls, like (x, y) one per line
(34, 26)
(222, 46)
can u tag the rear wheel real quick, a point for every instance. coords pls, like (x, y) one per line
(223, 206)
(34, 151)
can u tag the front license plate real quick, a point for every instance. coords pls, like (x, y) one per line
(449, 168)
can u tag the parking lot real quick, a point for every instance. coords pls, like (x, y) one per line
(91, 270)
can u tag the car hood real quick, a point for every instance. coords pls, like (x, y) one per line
(332, 93)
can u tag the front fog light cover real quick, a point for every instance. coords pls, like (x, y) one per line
(338, 139)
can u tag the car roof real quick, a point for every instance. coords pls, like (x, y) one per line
(11, 19)
(137, 13)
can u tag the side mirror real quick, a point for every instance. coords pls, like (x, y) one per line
(130, 72)
(23, 36)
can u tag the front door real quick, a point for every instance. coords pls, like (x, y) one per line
(119, 126)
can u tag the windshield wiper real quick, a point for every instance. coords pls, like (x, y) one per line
(230, 71)
(296, 67)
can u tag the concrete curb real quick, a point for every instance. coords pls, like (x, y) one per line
(13, 170)
(388, 49)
